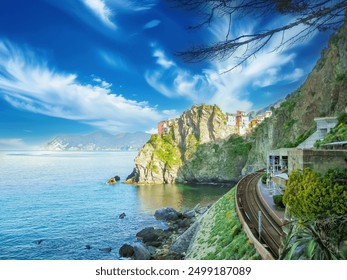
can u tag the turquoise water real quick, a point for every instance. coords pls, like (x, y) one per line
(61, 199)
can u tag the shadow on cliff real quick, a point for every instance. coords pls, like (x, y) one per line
(219, 161)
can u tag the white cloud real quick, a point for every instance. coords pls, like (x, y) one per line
(31, 85)
(102, 11)
(152, 131)
(102, 83)
(208, 87)
(231, 90)
(296, 75)
(162, 60)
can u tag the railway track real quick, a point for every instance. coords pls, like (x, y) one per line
(250, 204)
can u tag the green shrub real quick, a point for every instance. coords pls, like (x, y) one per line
(278, 200)
(264, 177)
(311, 195)
(342, 118)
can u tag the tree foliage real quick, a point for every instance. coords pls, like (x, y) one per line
(312, 15)
(318, 205)
(309, 195)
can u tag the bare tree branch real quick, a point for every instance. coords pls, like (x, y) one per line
(320, 15)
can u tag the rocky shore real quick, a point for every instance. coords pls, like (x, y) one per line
(168, 244)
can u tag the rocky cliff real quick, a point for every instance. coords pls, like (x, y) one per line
(323, 94)
(199, 148)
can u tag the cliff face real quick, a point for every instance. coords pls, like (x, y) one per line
(193, 151)
(200, 147)
(323, 94)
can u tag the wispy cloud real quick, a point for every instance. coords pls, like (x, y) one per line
(116, 61)
(11, 143)
(208, 87)
(151, 24)
(29, 84)
(162, 59)
(231, 90)
(137, 5)
(102, 11)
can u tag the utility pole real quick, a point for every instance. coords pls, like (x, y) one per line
(259, 224)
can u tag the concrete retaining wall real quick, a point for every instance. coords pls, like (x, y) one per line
(316, 160)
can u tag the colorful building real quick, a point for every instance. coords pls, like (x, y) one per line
(163, 128)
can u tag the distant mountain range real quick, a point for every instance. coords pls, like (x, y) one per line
(98, 141)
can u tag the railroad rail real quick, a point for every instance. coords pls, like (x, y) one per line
(250, 204)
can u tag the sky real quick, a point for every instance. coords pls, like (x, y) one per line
(80, 66)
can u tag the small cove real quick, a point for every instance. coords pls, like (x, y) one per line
(61, 199)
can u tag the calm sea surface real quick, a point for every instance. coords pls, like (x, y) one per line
(61, 199)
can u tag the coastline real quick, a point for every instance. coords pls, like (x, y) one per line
(208, 233)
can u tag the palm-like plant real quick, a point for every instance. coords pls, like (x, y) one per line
(316, 240)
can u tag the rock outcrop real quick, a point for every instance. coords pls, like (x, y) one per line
(169, 244)
(323, 94)
(198, 145)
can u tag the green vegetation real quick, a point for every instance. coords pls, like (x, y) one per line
(225, 158)
(192, 144)
(338, 133)
(313, 196)
(317, 240)
(301, 138)
(342, 118)
(278, 200)
(341, 76)
(289, 103)
(318, 205)
(165, 150)
(264, 177)
(225, 238)
(237, 146)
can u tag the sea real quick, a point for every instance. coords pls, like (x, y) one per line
(55, 204)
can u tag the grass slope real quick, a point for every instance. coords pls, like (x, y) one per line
(220, 236)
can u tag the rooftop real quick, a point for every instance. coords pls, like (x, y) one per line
(336, 143)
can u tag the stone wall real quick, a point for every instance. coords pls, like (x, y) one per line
(316, 160)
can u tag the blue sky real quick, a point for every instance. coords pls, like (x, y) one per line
(79, 66)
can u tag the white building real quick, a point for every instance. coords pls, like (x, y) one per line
(244, 124)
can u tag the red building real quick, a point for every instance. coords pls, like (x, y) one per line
(163, 128)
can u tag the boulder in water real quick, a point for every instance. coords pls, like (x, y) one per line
(113, 180)
(117, 178)
(149, 234)
(126, 251)
(122, 216)
(167, 214)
